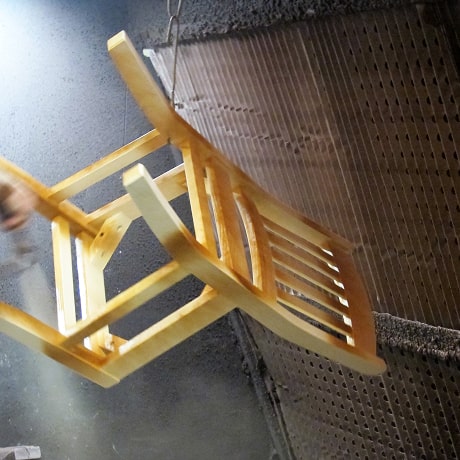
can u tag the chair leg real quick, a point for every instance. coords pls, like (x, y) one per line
(168, 333)
(39, 336)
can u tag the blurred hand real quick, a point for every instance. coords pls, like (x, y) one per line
(16, 204)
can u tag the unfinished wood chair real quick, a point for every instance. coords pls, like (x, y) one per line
(298, 278)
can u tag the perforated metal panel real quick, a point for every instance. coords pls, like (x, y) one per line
(353, 120)
(411, 412)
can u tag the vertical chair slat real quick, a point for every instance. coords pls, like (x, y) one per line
(62, 254)
(263, 272)
(202, 221)
(92, 289)
(226, 218)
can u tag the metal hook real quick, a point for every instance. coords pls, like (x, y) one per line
(173, 17)
(178, 9)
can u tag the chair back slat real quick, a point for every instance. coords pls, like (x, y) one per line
(308, 273)
(226, 218)
(315, 313)
(263, 273)
(308, 290)
(195, 172)
(299, 240)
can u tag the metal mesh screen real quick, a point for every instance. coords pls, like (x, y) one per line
(353, 120)
(411, 412)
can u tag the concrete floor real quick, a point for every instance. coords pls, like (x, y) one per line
(64, 106)
(193, 403)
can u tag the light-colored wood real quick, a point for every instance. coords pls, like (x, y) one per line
(48, 207)
(278, 231)
(323, 317)
(107, 240)
(172, 184)
(92, 291)
(306, 272)
(226, 218)
(303, 256)
(126, 302)
(183, 247)
(358, 301)
(202, 220)
(263, 271)
(169, 332)
(145, 91)
(310, 291)
(300, 283)
(63, 270)
(38, 336)
(108, 165)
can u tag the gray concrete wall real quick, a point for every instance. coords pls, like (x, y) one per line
(208, 18)
(62, 107)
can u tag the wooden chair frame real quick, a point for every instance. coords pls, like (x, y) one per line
(298, 279)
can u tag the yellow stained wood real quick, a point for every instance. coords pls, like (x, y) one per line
(145, 91)
(274, 210)
(303, 334)
(263, 272)
(314, 313)
(156, 210)
(173, 234)
(62, 253)
(311, 292)
(169, 332)
(39, 336)
(50, 208)
(299, 240)
(285, 246)
(107, 240)
(172, 184)
(307, 273)
(202, 220)
(108, 165)
(226, 218)
(92, 291)
(358, 302)
(303, 256)
(127, 301)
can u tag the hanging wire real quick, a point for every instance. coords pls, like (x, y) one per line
(174, 21)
